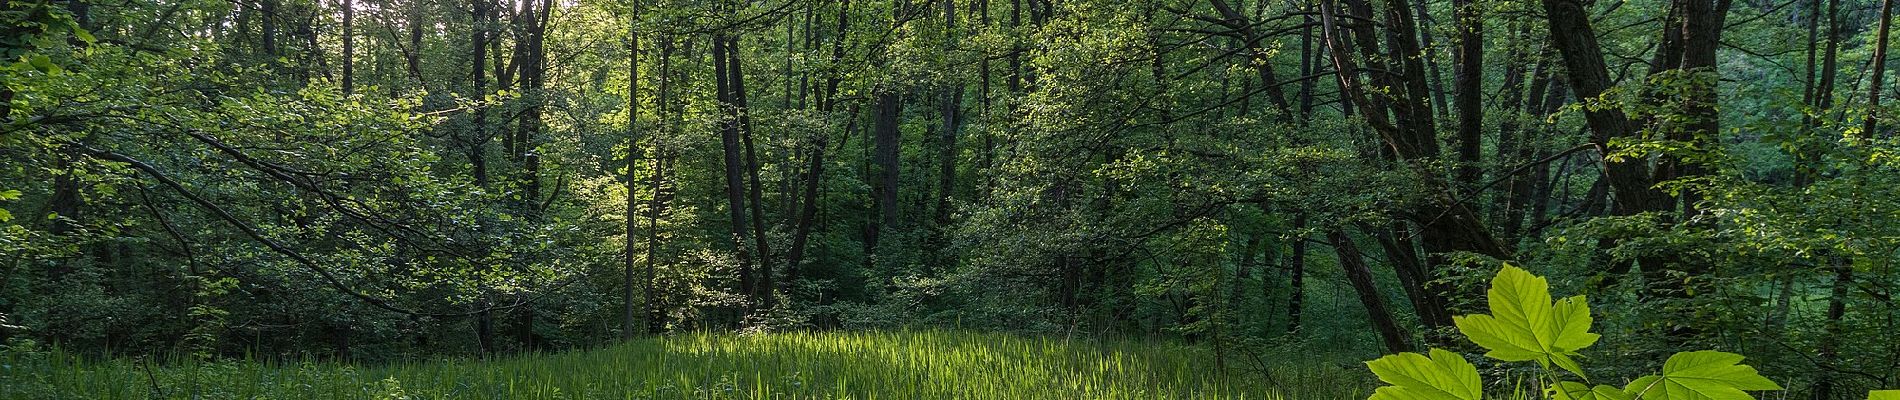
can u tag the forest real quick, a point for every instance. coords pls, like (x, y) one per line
(1050, 199)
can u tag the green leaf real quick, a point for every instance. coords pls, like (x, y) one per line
(1577, 391)
(9, 194)
(84, 36)
(1443, 376)
(1884, 395)
(1525, 325)
(1701, 375)
(42, 63)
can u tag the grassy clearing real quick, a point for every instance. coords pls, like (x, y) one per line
(843, 365)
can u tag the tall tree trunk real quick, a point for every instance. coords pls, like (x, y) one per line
(763, 294)
(413, 57)
(1514, 143)
(1446, 225)
(627, 316)
(1589, 78)
(1828, 353)
(1469, 79)
(1425, 23)
(656, 206)
(734, 167)
(885, 136)
(1875, 84)
(814, 174)
(349, 46)
(952, 105)
(268, 21)
(1296, 277)
(477, 140)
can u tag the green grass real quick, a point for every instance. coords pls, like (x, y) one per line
(842, 365)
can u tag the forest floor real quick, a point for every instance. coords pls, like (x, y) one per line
(833, 365)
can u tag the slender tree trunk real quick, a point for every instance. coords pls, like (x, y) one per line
(763, 294)
(952, 105)
(656, 206)
(268, 21)
(413, 57)
(885, 136)
(1870, 128)
(1399, 252)
(1258, 55)
(633, 156)
(814, 174)
(1514, 141)
(349, 46)
(1828, 353)
(1296, 277)
(478, 136)
(1360, 277)
(734, 168)
(1469, 79)
(1425, 23)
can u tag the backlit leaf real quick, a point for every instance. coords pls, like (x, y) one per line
(1701, 375)
(1412, 376)
(1525, 325)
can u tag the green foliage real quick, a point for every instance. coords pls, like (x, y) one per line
(1524, 325)
(1701, 375)
(1443, 376)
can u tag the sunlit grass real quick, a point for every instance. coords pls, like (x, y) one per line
(840, 365)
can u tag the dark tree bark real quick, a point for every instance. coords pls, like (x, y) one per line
(1258, 55)
(477, 139)
(1446, 225)
(349, 46)
(268, 23)
(627, 316)
(1425, 23)
(1428, 304)
(729, 139)
(885, 135)
(1469, 80)
(412, 56)
(1360, 277)
(1589, 77)
(533, 79)
(815, 172)
(1296, 277)
(1828, 351)
(763, 293)
(1515, 143)
(1876, 78)
(656, 206)
(952, 104)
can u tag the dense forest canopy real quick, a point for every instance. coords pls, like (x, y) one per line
(371, 180)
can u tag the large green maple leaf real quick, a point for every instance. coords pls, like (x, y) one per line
(1525, 325)
(1701, 375)
(1443, 376)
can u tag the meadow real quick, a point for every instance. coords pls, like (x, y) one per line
(797, 365)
